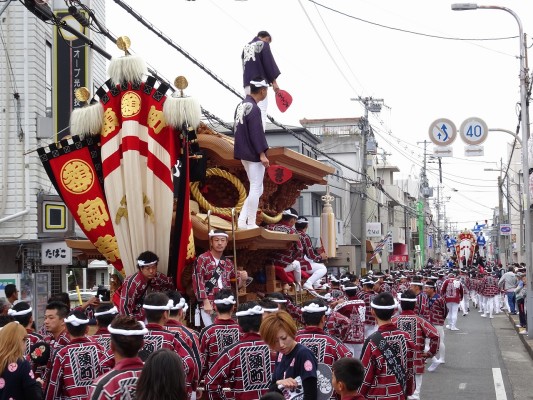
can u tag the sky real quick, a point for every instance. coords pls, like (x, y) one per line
(410, 53)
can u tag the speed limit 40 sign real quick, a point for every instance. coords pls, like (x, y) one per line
(473, 131)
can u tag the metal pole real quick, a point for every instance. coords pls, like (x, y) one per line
(364, 194)
(373, 105)
(501, 238)
(439, 234)
(524, 120)
(509, 241)
(233, 216)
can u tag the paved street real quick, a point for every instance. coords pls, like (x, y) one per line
(486, 360)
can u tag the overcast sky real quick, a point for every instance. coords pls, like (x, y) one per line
(327, 56)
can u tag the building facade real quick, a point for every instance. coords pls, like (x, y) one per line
(31, 214)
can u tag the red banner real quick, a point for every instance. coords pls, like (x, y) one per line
(71, 168)
(399, 258)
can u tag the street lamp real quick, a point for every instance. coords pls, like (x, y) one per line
(524, 119)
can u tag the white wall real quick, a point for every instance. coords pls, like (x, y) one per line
(22, 70)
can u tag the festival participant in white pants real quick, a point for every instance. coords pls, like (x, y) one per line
(367, 294)
(490, 292)
(287, 260)
(251, 147)
(257, 59)
(437, 315)
(311, 262)
(452, 291)
(420, 330)
(465, 302)
(212, 272)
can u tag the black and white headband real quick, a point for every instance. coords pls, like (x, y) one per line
(256, 310)
(270, 310)
(73, 320)
(412, 300)
(389, 307)
(227, 301)
(13, 313)
(128, 332)
(289, 212)
(113, 310)
(179, 305)
(278, 300)
(259, 83)
(142, 263)
(349, 288)
(302, 220)
(212, 233)
(166, 307)
(314, 308)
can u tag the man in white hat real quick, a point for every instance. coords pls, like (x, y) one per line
(213, 272)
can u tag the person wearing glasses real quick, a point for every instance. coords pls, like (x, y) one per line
(136, 286)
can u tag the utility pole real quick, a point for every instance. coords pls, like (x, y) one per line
(372, 105)
(501, 238)
(424, 193)
(439, 233)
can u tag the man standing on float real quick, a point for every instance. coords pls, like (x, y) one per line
(251, 147)
(257, 60)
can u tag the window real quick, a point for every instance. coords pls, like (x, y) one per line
(316, 205)
(390, 210)
(337, 207)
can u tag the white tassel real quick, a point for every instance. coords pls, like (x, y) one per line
(87, 120)
(180, 110)
(126, 69)
(197, 321)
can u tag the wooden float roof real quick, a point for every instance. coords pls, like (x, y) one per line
(220, 149)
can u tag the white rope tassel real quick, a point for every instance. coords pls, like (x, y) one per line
(180, 110)
(87, 120)
(126, 69)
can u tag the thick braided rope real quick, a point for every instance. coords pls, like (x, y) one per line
(198, 196)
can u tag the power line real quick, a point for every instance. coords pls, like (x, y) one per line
(407, 30)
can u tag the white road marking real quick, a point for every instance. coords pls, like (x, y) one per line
(498, 384)
(462, 386)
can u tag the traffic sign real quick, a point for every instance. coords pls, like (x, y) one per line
(442, 132)
(472, 151)
(473, 131)
(443, 151)
(505, 229)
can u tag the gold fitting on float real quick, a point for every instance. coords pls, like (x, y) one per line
(124, 43)
(181, 83)
(82, 94)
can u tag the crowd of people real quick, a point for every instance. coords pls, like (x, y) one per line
(364, 337)
(359, 338)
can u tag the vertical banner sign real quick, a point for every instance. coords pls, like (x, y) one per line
(71, 57)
